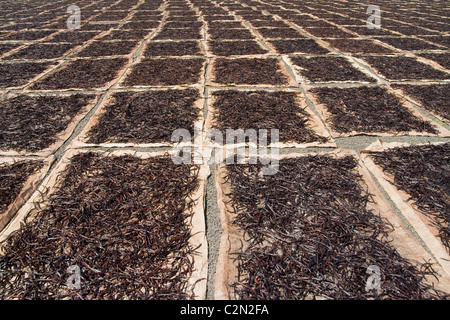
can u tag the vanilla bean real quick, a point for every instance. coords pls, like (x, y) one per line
(312, 235)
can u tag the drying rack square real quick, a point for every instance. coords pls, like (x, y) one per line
(314, 123)
(196, 221)
(27, 188)
(327, 117)
(62, 136)
(81, 141)
(422, 224)
(234, 239)
(279, 77)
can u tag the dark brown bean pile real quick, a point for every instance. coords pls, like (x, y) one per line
(165, 72)
(98, 27)
(126, 35)
(180, 48)
(5, 47)
(298, 46)
(440, 39)
(368, 109)
(179, 34)
(230, 48)
(111, 16)
(76, 37)
(230, 34)
(441, 58)
(146, 117)
(269, 23)
(31, 123)
(345, 21)
(182, 18)
(182, 25)
(140, 25)
(406, 43)
(398, 68)
(28, 35)
(218, 18)
(411, 30)
(432, 97)
(42, 51)
(312, 235)
(82, 74)
(12, 180)
(225, 25)
(329, 69)
(280, 33)
(313, 23)
(248, 71)
(19, 73)
(264, 110)
(423, 172)
(364, 31)
(358, 46)
(332, 32)
(122, 220)
(108, 48)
